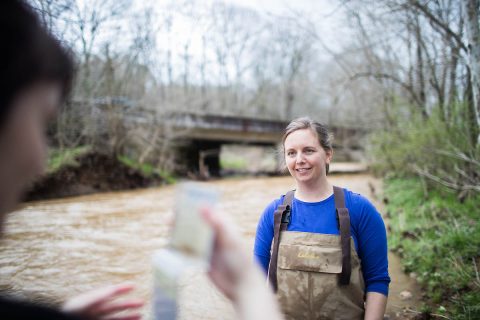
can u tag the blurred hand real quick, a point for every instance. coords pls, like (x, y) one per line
(235, 274)
(103, 304)
(230, 263)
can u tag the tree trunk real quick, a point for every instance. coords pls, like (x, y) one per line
(472, 15)
(420, 71)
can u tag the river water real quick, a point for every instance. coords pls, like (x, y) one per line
(52, 250)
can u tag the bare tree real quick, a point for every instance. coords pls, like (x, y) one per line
(472, 16)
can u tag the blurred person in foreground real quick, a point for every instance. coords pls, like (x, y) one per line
(35, 78)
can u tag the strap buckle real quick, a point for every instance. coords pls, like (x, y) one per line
(286, 215)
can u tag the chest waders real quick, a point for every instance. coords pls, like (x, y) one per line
(316, 276)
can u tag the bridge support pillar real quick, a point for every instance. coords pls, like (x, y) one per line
(200, 158)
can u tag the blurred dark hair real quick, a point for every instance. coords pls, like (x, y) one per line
(29, 54)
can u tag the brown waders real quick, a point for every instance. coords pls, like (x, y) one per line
(316, 276)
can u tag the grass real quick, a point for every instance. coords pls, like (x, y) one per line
(438, 239)
(147, 169)
(233, 163)
(58, 158)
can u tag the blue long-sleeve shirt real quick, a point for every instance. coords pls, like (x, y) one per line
(366, 226)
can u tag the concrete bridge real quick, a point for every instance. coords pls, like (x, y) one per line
(198, 138)
(229, 129)
(204, 135)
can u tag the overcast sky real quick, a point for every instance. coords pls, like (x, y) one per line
(327, 16)
(322, 7)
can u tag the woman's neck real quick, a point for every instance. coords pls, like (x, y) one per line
(314, 191)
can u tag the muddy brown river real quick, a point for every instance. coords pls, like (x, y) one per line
(52, 250)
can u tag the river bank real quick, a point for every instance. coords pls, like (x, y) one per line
(437, 235)
(92, 172)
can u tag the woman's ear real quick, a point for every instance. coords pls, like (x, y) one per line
(329, 154)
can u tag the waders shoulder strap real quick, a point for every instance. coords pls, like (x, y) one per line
(343, 218)
(281, 218)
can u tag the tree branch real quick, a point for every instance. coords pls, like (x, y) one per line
(380, 75)
(435, 21)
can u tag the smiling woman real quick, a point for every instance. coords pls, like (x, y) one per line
(329, 247)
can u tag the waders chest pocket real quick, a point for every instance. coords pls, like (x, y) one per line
(310, 258)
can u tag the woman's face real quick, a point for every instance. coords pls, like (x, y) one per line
(23, 146)
(305, 157)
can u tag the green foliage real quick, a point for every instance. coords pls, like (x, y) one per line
(147, 169)
(58, 158)
(234, 164)
(438, 238)
(441, 151)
